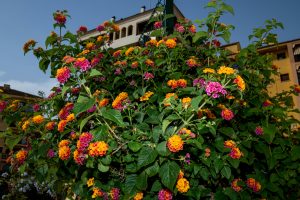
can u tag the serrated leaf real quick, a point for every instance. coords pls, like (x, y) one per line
(134, 146)
(12, 141)
(169, 173)
(141, 182)
(84, 121)
(195, 102)
(95, 72)
(199, 35)
(64, 90)
(165, 125)
(103, 168)
(226, 172)
(84, 106)
(114, 115)
(153, 170)
(146, 156)
(130, 184)
(162, 149)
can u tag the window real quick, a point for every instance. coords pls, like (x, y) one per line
(296, 50)
(123, 33)
(111, 36)
(141, 26)
(298, 74)
(284, 77)
(130, 28)
(281, 56)
(117, 35)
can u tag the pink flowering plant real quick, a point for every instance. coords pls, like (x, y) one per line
(179, 118)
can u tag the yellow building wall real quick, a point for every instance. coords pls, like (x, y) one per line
(284, 67)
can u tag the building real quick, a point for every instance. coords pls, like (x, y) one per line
(131, 28)
(10, 94)
(287, 59)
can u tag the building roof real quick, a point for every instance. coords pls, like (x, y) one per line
(137, 15)
(280, 43)
(6, 90)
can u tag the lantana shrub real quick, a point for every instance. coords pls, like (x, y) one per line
(180, 118)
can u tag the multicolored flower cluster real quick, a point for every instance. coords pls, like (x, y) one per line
(183, 185)
(115, 193)
(253, 184)
(98, 149)
(235, 152)
(171, 43)
(2, 105)
(227, 114)
(38, 119)
(235, 186)
(21, 156)
(215, 89)
(180, 83)
(259, 130)
(64, 150)
(146, 96)
(120, 100)
(138, 196)
(29, 44)
(240, 82)
(63, 74)
(226, 70)
(186, 132)
(175, 143)
(167, 100)
(97, 193)
(90, 182)
(83, 141)
(165, 194)
(192, 62)
(60, 17)
(83, 63)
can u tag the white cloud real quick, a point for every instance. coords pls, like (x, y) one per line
(31, 87)
(2, 73)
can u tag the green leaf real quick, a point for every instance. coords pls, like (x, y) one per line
(153, 170)
(169, 173)
(100, 133)
(141, 182)
(165, 125)
(269, 133)
(103, 168)
(84, 121)
(134, 146)
(204, 173)
(295, 153)
(227, 8)
(106, 160)
(156, 132)
(12, 141)
(80, 107)
(115, 116)
(199, 35)
(226, 172)
(95, 72)
(162, 149)
(195, 102)
(227, 131)
(64, 90)
(130, 183)
(146, 156)
(156, 186)
(218, 163)
(77, 188)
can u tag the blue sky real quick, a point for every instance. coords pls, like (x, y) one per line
(32, 19)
